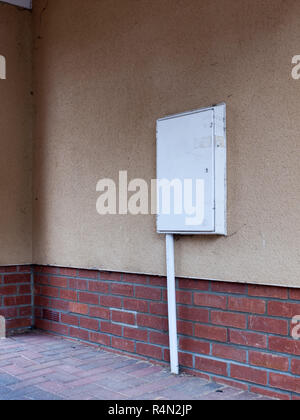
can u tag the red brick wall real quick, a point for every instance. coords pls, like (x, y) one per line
(16, 297)
(233, 333)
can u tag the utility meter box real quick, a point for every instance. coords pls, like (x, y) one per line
(191, 172)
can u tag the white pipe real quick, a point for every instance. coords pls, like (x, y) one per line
(172, 304)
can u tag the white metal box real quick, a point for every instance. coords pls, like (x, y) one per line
(191, 172)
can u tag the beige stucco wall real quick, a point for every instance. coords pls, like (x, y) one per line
(16, 137)
(105, 70)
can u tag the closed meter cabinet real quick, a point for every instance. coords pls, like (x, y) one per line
(191, 172)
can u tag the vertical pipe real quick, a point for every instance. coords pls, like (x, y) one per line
(172, 304)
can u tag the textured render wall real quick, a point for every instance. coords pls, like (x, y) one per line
(16, 137)
(106, 70)
(229, 332)
(16, 299)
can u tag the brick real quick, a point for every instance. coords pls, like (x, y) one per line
(267, 291)
(46, 269)
(159, 338)
(58, 328)
(148, 293)
(211, 333)
(122, 344)
(212, 301)
(185, 328)
(69, 272)
(154, 322)
(78, 308)
(254, 306)
(17, 301)
(194, 346)
(89, 298)
(136, 305)
(212, 366)
(123, 317)
(202, 285)
(268, 325)
(283, 309)
(11, 269)
(135, 278)
(17, 278)
(110, 276)
(165, 296)
(269, 361)
(158, 281)
(26, 311)
(149, 350)
(245, 373)
(193, 314)
(8, 290)
(78, 333)
(42, 301)
(40, 279)
(295, 294)
(232, 288)
(24, 289)
(37, 312)
(135, 334)
(68, 294)
(88, 274)
(98, 286)
(50, 291)
(89, 324)
(158, 308)
(109, 328)
(111, 301)
(37, 290)
(166, 355)
(284, 382)
(229, 319)
(268, 393)
(185, 298)
(61, 305)
(184, 359)
(18, 323)
(231, 353)
(248, 339)
(295, 367)
(9, 312)
(70, 319)
(43, 324)
(78, 284)
(122, 289)
(284, 345)
(25, 268)
(58, 282)
(102, 313)
(100, 338)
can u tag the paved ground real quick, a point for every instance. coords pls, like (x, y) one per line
(37, 366)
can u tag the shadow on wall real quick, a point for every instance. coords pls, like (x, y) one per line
(2, 328)
(2, 67)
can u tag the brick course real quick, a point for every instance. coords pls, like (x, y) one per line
(233, 333)
(16, 297)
